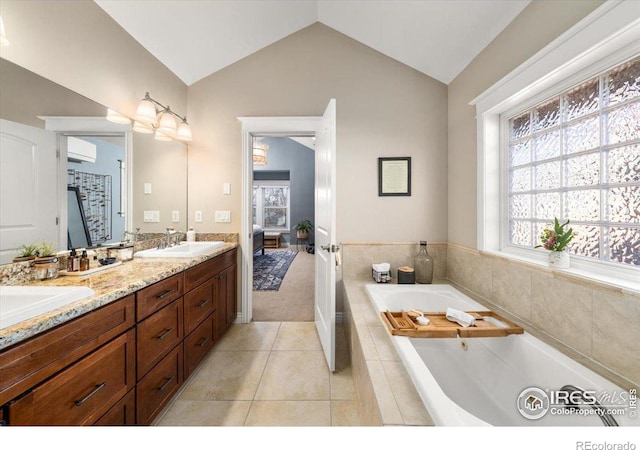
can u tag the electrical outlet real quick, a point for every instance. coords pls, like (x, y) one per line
(223, 216)
(198, 216)
(175, 216)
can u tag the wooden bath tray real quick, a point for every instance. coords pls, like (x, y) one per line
(403, 323)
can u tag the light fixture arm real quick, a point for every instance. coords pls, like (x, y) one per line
(164, 108)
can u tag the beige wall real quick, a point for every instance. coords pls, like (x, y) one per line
(537, 25)
(384, 108)
(77, 45)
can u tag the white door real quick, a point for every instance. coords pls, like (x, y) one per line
(28, 187)
(325, 229)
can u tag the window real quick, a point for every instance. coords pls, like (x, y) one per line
(576, 156)
(271, 205)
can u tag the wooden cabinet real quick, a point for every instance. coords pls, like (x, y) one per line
(83, 392)
(158, 386)
(122, 363)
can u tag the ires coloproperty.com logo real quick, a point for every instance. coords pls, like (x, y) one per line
(534, 403)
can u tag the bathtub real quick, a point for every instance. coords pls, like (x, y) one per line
(480, 381)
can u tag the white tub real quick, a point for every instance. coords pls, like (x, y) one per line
(480, 386)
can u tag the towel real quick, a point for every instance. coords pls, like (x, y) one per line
(461, 317)
(381, 267)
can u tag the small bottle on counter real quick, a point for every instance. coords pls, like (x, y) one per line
(423, 265)
(191, 235)
(73, 261)
(84, 261)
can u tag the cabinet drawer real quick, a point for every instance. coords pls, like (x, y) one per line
(83, 392)
(206, 270)
(157, 335)
(31, 362)
(154, 297)
(198, 343)
(198, 304)
(122, 413)
(158, 386)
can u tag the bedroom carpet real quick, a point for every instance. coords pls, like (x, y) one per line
(294, 301)
(269, 269)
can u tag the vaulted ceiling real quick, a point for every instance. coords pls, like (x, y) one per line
(195, 38)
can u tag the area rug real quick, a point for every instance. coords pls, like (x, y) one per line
(269, 269)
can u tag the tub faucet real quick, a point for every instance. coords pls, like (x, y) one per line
(600, 410)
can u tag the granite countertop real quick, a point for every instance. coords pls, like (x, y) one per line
(109, 285)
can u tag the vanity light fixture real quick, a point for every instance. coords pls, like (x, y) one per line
(3, 37)
(116, 117)
(260, 153)
(159, 118)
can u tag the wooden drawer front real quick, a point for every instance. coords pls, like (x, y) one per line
(156, 389)
(154, 297)
(122, 413)
(198, 343)
(82, 393)
(157, 335)
(31, 362)
(206, 270)
(198, 304)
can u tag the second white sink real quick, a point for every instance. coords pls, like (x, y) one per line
(18, 303)
(184, 250)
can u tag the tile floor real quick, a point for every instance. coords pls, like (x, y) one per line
(267, 374)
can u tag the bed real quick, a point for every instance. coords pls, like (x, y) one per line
(258, 239)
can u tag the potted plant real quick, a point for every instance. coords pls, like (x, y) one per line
(303, 228)
(556, 240)
(47, 261)
(26, 252)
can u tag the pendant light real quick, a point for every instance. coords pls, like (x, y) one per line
(260, 153)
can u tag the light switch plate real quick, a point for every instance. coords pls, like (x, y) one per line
(152, 216)
(147, 189)
(223, 216)
(226, 189)
(175, 216)
(198, 216)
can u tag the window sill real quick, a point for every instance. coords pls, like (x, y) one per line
(576, 274)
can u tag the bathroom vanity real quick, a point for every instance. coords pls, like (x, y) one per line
(120, 356)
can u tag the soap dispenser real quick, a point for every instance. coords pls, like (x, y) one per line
(191, 235)
(84, 261)
(423, 265)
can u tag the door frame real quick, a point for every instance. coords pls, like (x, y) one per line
(255, 127)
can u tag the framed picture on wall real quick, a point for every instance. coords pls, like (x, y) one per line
(394, 176)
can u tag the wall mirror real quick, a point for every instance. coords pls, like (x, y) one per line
(35, 200)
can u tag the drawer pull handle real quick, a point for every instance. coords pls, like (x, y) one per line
(165, 293)
(203, 302)
(204, 341)
(166, 383)
(92, 393)
(163, 335)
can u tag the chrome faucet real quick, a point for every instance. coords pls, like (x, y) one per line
(600, 410)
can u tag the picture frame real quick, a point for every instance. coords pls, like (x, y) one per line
(394, 177)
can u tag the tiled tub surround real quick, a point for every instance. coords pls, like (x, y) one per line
(593, 323)
(109, 285)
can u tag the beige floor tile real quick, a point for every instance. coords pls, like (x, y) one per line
(227, 376)
(289, 413)
(295, 375)
(249, 336)
(344, 413)
(297, 336)
(206, 413)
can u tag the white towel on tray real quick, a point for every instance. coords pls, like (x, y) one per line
(381, 267)
(461, 317)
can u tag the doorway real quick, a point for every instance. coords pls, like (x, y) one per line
(283, 201)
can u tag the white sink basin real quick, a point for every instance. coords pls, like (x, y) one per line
(18, 303)
(184, 250)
